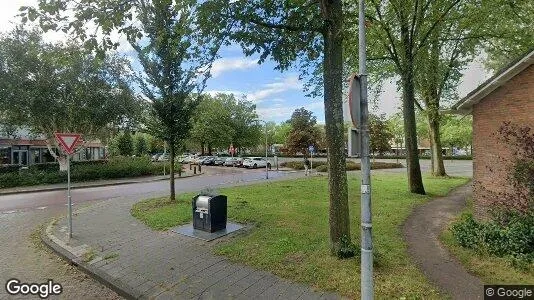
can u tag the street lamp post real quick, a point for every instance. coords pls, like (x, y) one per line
(266, 155)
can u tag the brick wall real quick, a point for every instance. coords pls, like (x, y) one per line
(514, 101)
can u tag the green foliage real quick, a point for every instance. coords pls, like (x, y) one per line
(352, 166)
(347, 249)
(125, 144)
(303, 131)
(119, 167)
(140, 145)
(212, 123)
(380, 134)
(513, 239)
(457, 131)
(49, 88)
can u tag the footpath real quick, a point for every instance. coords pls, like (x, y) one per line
(137, 262)
(422, 230)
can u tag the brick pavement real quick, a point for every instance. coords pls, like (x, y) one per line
(25, 258)
(163, 265)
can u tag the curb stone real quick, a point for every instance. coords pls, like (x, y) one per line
(29, 191)
(68, 253)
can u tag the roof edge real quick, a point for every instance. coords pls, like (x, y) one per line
(504, 75)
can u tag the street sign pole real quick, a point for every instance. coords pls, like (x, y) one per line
(367, 292)
(68, 142)
(69, 199)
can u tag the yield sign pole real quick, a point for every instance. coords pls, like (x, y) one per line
(68, 142)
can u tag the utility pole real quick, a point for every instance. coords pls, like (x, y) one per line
(367, 292)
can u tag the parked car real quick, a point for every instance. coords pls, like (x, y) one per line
(163, 157)
(256, 162)
(207, 160)
(155, 157)
(219, 161)
(233, 161)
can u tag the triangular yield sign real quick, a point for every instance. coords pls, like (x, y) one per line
(67, 141)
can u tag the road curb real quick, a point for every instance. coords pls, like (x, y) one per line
(54, 244)
(2, 193)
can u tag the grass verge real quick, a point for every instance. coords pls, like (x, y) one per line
(491, 269)
(290, 238)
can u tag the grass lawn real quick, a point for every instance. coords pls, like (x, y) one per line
(290, 238)
(491, 269)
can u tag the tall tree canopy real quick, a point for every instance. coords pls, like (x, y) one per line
(308, 34)
(304, 131)
(62, 88)
(175, 58)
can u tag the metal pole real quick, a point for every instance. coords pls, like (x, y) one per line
(266, 161)
(366, 220)
(69, 197)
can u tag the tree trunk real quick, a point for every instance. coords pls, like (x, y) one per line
(209, 149)
(333, 102)
(171, 171)
(436, 152)
(415, 181)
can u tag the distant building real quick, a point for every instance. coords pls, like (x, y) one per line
(507, 96)
(23, 148)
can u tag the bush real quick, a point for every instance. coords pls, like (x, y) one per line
(513, 239)
(352, 166)
(119, 167)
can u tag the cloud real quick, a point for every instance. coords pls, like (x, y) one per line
(283, 84)
(281, 112)
(228, 64)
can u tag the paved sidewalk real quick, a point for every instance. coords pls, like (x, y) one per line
(141, 263)
(422, 230)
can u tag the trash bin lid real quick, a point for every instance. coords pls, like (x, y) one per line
(202, 201)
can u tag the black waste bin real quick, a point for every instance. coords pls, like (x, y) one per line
(209, 212)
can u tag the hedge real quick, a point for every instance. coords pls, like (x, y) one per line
(83, 171)
(513, 239)
(321, 166)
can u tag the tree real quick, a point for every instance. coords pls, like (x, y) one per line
(140, 144)
(396, 128)
(457, 131)
(380, 134)
(308, 34)
(49, 88)
(303, 131)
(281, 133)
(125, 144)
(175, 58)
(247, 130)
(212, 124)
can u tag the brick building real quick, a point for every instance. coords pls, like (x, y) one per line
(507, 96)
(23, 148)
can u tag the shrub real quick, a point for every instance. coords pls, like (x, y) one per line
(513, 240)
(353, 166)
(118, 167)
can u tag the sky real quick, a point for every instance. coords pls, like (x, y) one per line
(275, 94)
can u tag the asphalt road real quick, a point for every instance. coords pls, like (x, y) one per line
(214, 176)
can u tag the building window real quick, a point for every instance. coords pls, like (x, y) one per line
(35, 156)
(5, 155)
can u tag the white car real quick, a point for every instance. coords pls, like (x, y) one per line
(256, 162)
